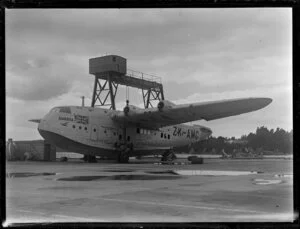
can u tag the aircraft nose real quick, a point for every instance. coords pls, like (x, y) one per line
(43, 127)
(43, 124)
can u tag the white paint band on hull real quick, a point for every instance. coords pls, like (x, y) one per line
(213, 173)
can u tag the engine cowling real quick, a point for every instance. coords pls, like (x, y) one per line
(130, 109)
(126, 110)
(164, 104)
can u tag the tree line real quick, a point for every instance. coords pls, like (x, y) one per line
(276, 141)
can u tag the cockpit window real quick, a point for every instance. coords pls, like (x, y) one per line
(65, 110)
(55, 109)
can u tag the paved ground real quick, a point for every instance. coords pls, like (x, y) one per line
(144, 192)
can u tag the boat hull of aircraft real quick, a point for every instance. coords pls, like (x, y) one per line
(70, 145)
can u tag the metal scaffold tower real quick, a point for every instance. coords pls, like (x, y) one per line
(111, 71)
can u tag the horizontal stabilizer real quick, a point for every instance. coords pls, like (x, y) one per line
(35, 120)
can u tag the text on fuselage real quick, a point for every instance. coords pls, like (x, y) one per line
(190, 133)
(77, 119)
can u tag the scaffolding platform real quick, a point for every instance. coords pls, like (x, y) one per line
(133, 79)
(111, 71)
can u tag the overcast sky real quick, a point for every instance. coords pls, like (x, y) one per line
(200, 54)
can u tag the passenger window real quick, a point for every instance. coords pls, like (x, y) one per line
(79, 127)
(128, 138)
(74, 126)
(168, 136)
(120, 137)
(85, 128)
(165, 136)
(138, 130)
(94, 130)
(161, 135)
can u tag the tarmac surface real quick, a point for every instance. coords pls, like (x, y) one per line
(141, 191)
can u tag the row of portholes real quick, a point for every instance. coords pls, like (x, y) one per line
(143, 131)
(105, 131)
(85, 128)
(162, 135)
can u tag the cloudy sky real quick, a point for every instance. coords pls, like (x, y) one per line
(200, 54)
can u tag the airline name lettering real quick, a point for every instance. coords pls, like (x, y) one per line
(66, 119)
(77, 118)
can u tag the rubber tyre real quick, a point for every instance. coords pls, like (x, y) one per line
(91, 159)
(168, 156)
(123, 158)
(198, 160)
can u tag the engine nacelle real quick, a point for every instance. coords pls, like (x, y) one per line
(164, 104)
(130, 109)
(126, 110)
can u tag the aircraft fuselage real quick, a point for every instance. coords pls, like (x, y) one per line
(92, 131)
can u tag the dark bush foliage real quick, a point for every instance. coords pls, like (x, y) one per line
(277, 141)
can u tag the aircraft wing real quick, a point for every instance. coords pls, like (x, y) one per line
(154, 118)
(35, 120)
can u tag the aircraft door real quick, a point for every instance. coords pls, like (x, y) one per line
(94, 132)
(130, 135)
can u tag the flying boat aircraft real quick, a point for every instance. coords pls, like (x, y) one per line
(133, 132)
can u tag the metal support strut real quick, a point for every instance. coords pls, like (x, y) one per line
(151, 95)
(103, 89)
